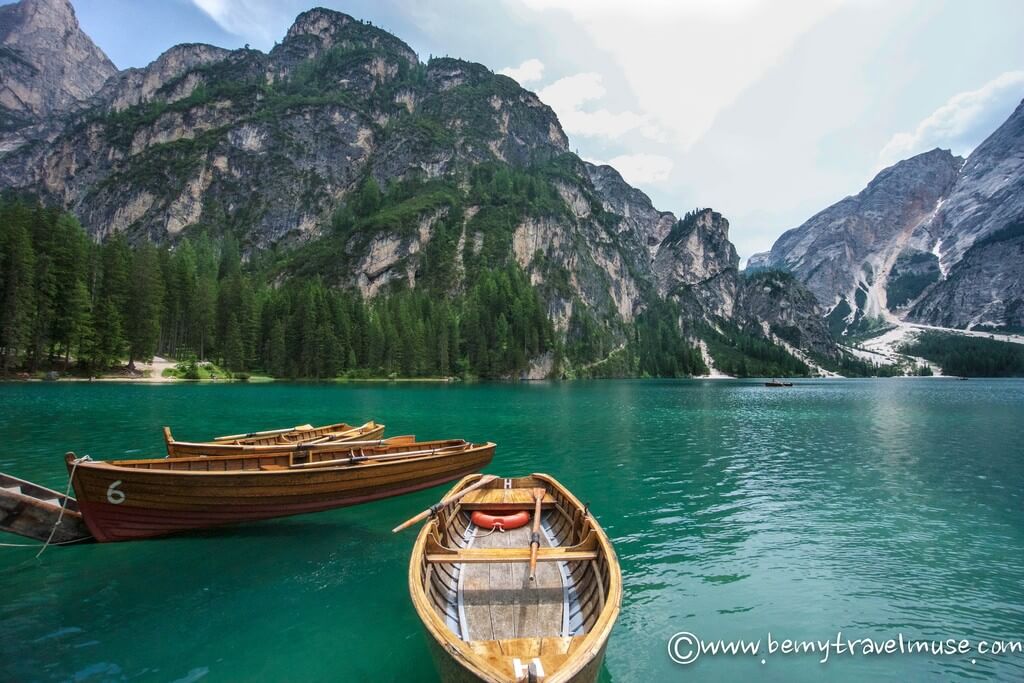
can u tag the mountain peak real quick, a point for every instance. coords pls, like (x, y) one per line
(916, 169)
(39, 13)
(329, 28)
(31, 15)
(48, 64)
(319, 22)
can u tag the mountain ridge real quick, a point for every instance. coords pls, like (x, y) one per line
(902, 248)
(340, 156)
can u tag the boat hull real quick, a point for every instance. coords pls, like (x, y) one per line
(120, 504)
(451, 670)
(596, 580)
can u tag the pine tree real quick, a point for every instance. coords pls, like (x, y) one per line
(112, 303)
(45, 285)
(234, 349)
(69, 249)
(108, 344)
(145, 302)
(17, 269)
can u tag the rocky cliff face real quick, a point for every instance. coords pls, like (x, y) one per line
(698, 265)
(931, 239)
(980, 286)
(273, 143)
(845, 253)
(644, 223)
(48, 66)
(282, 149)
(788, 309)
(984, 288)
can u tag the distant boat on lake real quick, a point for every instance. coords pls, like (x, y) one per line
(778, 383)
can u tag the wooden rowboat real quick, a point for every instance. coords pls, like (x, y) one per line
(485, 618)
(282, 439)
(301, 434)
(128, 499)
(32, 511)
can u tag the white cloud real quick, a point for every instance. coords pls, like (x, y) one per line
(962, 122)
(527, 72)
(639, 169)
(258, 21)
(686, 60)
(567, 97)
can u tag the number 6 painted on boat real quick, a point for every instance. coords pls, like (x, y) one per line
(114, 494)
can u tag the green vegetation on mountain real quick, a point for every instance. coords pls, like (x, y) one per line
(742, 354)
(66, 299)
(849, 365)
(968, 356)
(911, 275)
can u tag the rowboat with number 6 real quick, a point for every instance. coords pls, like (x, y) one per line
(275, 439)
(532, 604)
(128, 499)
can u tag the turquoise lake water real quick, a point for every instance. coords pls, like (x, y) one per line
(867, 507)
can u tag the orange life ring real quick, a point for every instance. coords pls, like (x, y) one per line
(486, 520)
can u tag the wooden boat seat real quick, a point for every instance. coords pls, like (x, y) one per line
(582, 552)
(476, 556)
(504, 500)
(17, 490)
(272, 468)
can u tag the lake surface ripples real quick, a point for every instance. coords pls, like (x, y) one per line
(867, 507)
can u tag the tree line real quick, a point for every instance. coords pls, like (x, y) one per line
(68, 302)
(73, 304)
(968, 356)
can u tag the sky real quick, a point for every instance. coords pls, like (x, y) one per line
(765, 110)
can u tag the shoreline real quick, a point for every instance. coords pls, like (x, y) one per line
(263, 379)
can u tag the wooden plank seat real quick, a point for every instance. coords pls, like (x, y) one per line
(513, 555)
(504, 500)
(582, 552)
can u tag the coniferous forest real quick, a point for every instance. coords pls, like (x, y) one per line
(969, 356)
(74, 305)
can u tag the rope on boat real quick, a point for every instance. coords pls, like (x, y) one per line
(64, 505)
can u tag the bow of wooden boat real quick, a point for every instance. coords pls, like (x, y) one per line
(39, 513)
(471, 589)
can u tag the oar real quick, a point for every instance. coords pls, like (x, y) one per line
(538, 496)
(266, 432)
(440, 505)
